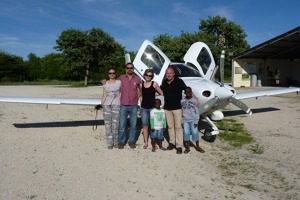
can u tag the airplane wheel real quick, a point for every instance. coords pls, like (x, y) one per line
(208, 137)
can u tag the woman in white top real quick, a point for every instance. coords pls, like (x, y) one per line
(111, 108)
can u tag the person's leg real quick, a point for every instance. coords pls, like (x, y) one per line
(186, 131)
(160, 137)
(186, 136)
(198, 148)
(178, 128)
(153, 136)
(145, 115)
(187, 147)
(115, 124)
(122, 125)
(195, 136)
(171, 129)
(195, 132)
(133, 119)
(107, 115)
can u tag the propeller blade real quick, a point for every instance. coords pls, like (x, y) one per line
(207, 105)
(222, 60)
(127, 58)
(241, 105)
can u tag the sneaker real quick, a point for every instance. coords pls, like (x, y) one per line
(153, 149)
(110, 147)
(179, 151)
(120, 146)
(132, 146)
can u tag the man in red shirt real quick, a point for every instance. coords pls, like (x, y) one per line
(129, 105)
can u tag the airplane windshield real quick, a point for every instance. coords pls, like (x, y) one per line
(204, 60)
(182, 70)
(152, 59)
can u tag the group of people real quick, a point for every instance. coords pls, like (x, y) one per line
(180, 115)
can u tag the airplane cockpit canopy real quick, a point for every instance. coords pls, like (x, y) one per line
(182, 70)
(152, 59)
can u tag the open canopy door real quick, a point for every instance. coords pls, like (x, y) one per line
(200, 56)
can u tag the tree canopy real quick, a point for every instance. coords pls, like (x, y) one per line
(87, 55)
(84, 51)
(217, 32)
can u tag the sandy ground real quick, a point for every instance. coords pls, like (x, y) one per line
(55, 154)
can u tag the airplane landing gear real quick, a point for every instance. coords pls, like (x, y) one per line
(208, 137)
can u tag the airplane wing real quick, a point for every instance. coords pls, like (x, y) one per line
(246, 95)
(49, 100)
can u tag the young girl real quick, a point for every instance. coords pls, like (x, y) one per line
(111, 108)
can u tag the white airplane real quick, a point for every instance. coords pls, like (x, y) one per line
(197, 72)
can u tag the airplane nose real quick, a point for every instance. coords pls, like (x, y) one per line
(223, 93)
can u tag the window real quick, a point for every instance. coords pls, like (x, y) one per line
(152, 59)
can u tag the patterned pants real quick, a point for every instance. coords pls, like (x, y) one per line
(111, 121)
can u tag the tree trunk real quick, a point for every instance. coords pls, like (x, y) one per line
(86, 75)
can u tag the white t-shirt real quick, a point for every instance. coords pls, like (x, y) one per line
(112, 93)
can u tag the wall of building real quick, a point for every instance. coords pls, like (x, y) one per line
(272, 72)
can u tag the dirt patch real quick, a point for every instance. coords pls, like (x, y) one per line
(54, 154)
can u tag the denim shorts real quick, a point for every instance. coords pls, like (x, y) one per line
(189, 129)
(145, 115)
(159, 134)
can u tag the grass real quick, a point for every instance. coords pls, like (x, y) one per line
(234, 133)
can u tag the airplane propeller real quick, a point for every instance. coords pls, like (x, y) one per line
(223, 93)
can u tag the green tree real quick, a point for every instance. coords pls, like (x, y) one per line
(224, 34)
(175, 47)
(34, 67)
(51, 67)
(88, 51)
(12, 68)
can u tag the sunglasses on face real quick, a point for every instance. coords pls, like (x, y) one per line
(129, 67)
(111, 73)
(148, 75)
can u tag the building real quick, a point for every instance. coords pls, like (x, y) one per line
(275, 62)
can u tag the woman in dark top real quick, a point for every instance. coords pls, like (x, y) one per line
(148, 89)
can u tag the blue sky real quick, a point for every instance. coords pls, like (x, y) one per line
(32, 26)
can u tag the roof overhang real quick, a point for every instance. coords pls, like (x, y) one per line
(285, 46)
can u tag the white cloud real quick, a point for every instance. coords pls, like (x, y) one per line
(179, 8)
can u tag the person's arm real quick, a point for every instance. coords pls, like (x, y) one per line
(197, 100)
(140, 94)
(158, 89)
(165, 122)
(103, 96)
(103, 81)
(197, 115)
(152, 120)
